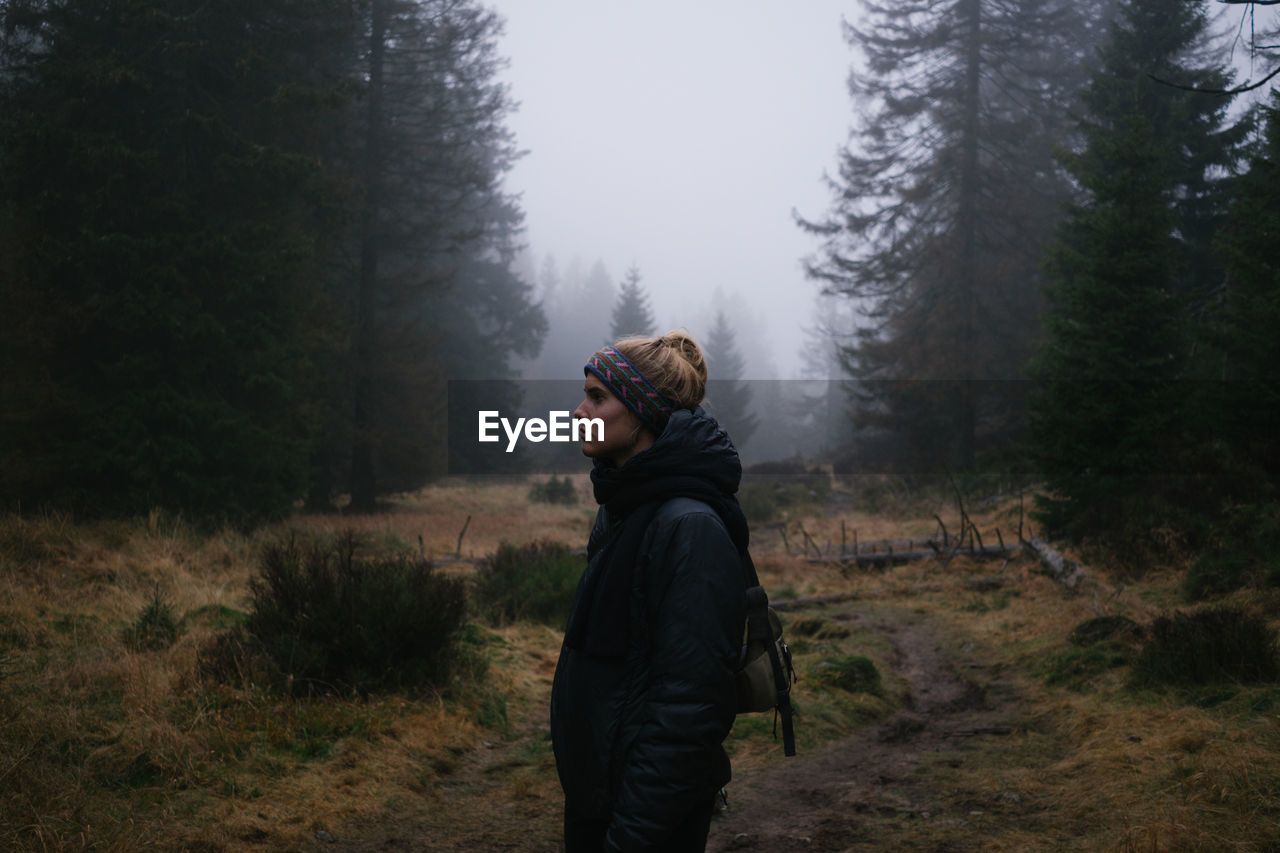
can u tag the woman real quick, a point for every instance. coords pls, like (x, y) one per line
(644, 689)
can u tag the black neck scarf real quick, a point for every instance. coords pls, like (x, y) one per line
(600, 624)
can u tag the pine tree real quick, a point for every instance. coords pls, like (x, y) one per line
(240, 236)
(427, 150)
(1233, 514)
(162, 214)
(631, 313)
(492, 322)
(1132, 261)
(576, 320)
(1245, 345)
(728, 397)
(945, 196)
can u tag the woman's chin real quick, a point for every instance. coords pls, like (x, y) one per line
(593, 450)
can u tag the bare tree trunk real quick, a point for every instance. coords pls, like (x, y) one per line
(970, 187)
(364, 486)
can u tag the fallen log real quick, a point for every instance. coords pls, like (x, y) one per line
(877, 560)
(876, 545)
(1065, 571)
(881, 559)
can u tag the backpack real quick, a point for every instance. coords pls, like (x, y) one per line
(764, 675)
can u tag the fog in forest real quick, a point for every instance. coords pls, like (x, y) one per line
(677, 138)
(246, 272)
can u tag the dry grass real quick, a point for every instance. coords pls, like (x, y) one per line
(107, 748)
(498, 511)
(1102, 768)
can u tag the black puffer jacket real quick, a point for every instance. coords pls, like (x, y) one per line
(638, 737)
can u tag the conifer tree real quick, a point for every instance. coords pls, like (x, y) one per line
(1232, 507)
(577, 318)
(728, 397)
(631, 313)
(1245, 330)
(945, 197)
(427, 149)
(244, 245)
(1132, 261)
(162, 215)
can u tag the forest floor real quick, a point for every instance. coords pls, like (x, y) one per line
(877, 789)
(987, 728)
(869, 791)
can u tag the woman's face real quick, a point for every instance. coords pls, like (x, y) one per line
(624, 436)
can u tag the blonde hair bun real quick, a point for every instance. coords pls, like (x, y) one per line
(682, 342)
(673, 363)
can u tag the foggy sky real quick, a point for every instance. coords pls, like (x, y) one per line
(678, 137)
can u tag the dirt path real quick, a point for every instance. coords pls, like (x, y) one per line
(866, 793)
(860, 793)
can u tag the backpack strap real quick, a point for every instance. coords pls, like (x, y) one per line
(759, 628)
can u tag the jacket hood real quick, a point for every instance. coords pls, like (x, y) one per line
(691, 445)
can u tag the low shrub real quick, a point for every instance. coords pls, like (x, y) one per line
(236, 658)
(1206, 647)
(1098, 645)
(331, 620)
(766, 498)
(554, 491)
(1246, 553)
(853, 673)
(534, 582)
(156, 626)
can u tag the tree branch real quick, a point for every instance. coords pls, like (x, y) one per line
(1243, 87)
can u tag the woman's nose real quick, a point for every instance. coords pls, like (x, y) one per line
(580, 412)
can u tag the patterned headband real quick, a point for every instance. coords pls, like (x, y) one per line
(631, 387)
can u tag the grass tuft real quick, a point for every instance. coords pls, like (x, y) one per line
(1078, 668)
(853, 673)
(1105, 628)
